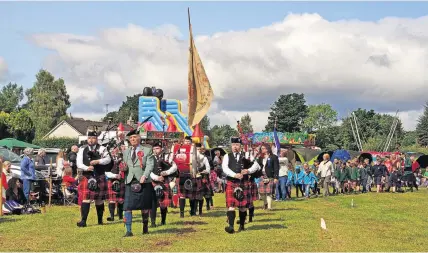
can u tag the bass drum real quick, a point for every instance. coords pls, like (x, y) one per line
(147, 92)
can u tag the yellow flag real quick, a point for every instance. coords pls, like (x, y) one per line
(200, 94)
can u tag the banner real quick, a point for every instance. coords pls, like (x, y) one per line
(200, 94)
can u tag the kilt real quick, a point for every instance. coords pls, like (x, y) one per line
(192, 193)
(166, 200)
(266, 188)
(231, 201)
(142, 200)
(115, 196)
(99, 194)
(206, 189)
(254, 191)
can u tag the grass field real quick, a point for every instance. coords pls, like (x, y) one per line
(378, 222)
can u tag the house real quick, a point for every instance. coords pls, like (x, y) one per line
(77, 127)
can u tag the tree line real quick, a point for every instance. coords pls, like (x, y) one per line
(47, 102)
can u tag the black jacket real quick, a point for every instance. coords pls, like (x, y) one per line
(72, 157)
(272, 166)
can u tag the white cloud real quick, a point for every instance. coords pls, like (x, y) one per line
(4, 71)
(349, 64)
(409, 118)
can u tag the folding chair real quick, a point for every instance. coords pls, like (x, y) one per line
(69, 197)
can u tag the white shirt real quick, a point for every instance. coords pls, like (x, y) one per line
(283, 166)
(168, 172)
(59, 167)
(226, 170)
(105, 157)
(325, 168)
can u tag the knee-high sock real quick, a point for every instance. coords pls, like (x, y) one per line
(100, 212)
(269, 201)
(111, 207)
(145, 222)
(84, 210)
(120, 210)
(163, 215)
(201, 204)
(251, 213)
(182, 204)
(231, 217)
(242, 216)
(128, 221)
(153, 213)
(208, 200)
(192, 207)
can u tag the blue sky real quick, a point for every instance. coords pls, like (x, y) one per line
(19, 19)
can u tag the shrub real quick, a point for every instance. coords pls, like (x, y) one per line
(63, 143)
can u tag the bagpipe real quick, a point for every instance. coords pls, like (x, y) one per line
(246, 163)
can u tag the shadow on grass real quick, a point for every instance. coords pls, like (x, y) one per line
(4, 220)
(266, 227)
(268, 220)
(177, 231)
(215, 213)
(285, 209)
(189, 223)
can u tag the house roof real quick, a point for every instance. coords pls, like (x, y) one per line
(82, 125)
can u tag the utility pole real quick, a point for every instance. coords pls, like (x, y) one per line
(106, 109)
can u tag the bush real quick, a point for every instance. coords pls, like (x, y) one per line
(63, 143)
(415, 148)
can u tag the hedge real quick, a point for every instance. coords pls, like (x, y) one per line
(63, 143)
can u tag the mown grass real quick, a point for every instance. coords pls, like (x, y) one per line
(378, 222)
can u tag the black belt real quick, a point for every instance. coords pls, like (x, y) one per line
(235, 180)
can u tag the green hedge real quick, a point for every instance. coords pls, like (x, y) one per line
(63, 143)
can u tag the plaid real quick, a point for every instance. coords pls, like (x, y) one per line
(205, 188)
(230, 199)
(254, 191)
(182, 192)
(266, 188)
(99, 194)
(166, 200)
(115, 196)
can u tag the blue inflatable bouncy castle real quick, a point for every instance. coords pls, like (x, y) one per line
(152, 106)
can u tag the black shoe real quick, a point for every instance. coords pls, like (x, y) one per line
(81, 224)
(163, 223)
(250, 219)
(128, 234)
(110, 218)
(181, 215)
(241, 228)
(153, 225)
(100, 223)
(229, 230)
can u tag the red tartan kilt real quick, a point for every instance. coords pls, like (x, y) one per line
(266, 188)
(166, 200)
(182, 192)
(230, 199)
(254, 191)
(99, 194)
(204, 188)
(115, 196)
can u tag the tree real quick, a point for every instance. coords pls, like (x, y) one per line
(4, 125)
(48, 102)
(220, 135)
(422, 127)
(410, 138)
(330, 138)
(21, 126)
(245, 123)
(10, 96)
(289, 110)
(319, 117)
(205, 125)
(128, 108)
(372, 127)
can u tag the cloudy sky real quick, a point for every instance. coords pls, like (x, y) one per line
(350, 55)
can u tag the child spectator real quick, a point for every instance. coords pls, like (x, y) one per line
(309, 180)
(298, 181)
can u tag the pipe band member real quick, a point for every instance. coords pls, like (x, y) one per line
(161, 178)
(139, 192)
(93, 160)
(237, 184)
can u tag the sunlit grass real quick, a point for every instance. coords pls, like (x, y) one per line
(378, 222)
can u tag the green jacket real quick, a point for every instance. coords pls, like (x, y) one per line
(134, 168)
(355, 173)
(341, 175)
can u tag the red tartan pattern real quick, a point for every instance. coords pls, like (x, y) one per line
(115, 196)
(254, 191)
(85, 194)
(231, 201)
(188, 194)
(166, 200)
(266, 188)
(205, 189)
